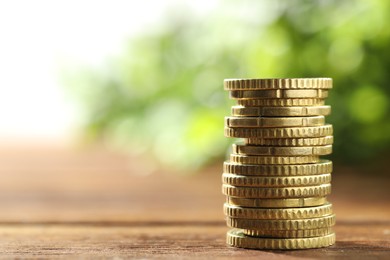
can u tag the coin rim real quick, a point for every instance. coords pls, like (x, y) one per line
(321, 167)
(277, 83)
(281, 102)
(277, 213)
(276, 192)
(277, 203)
(278, 93)
(278, 160)
(281, 111)
(275, 181)
(273, 122)
(236, 238)
(281, 224)
(279, 132)
(294, 142)
(301, 233)
(258, 150)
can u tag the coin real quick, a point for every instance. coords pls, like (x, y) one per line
(266, 213)
(281, 151)
(286, 83)
(323, 166)
(278, 93)
(281, 224)
(250, 159)
(276, 192)
(281, 102)
(316, 141)
(274, 181)
(288, 233)
(236, 238)
(274, 121)
(276, 203)
(287, 181)
(285, 132)
(281, 111)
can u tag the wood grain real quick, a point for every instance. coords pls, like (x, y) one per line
(90, 202)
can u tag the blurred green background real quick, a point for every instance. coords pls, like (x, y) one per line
(163, 96)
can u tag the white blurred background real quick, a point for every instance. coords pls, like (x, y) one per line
(37, 38)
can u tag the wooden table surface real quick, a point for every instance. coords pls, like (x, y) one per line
(89, 202)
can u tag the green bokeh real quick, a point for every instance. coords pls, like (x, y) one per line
(164, 95)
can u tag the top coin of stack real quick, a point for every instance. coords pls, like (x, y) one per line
(275, 182)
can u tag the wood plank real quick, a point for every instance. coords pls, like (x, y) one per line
(65, 185)
(179, 240)
(57, 201)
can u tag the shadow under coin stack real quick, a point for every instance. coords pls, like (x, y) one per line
(276, 184)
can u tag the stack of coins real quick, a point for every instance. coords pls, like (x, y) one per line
(275, 182)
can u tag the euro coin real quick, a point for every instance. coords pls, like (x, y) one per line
(285, 181)
(282, 224)
(282, 213)
(276, 192)
(274, 121)
(285, 132)
(281, 102)
(283, 83)
(276, 203)
(316, 141)
(281, 111)
(281, 151)
(251, 159)
(316, 232)
(278, 93)
(322, 167)
(236, 238)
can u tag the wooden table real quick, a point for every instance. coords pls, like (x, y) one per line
(62, 202)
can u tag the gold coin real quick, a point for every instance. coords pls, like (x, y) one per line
(286, 83)
(317, 232)
(283, 132)
(278, 93)
(287, 181)
(244, 159)
(281, 111)
(288, 233)
(274, 121)
(265, 213)
(281, 224)
(281, 102)
(281, 151)
(276, 203)
(317, 141)
(323, 166)
(236, 238)
(276, 193)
